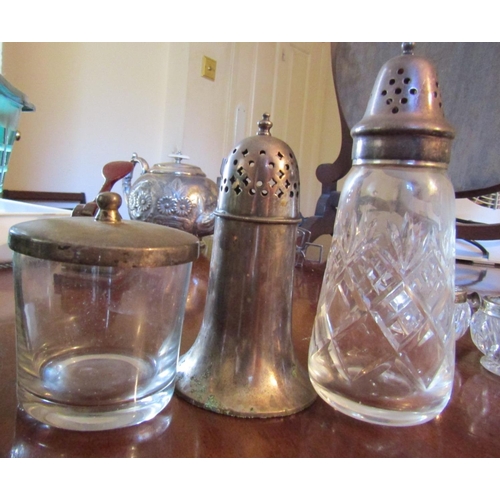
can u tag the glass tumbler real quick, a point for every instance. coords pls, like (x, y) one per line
(98, 325)
(485, 332)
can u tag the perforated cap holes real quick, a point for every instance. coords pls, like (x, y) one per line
(261, 173)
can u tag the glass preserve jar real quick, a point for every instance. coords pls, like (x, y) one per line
(99, 313)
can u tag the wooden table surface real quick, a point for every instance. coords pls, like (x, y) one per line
(468, 427)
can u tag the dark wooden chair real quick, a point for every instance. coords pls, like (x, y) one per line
(469, 78)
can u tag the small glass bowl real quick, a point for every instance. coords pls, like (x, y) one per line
(485, 332)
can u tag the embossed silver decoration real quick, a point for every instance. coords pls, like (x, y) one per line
(167, 205)
(172, 194)
(243, 362)
(140, 202)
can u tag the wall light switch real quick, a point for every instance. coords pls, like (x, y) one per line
(208, 68)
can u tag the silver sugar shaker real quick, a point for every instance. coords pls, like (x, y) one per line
(243, 362)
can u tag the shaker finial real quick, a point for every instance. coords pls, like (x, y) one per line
(265, 125)
(408, 48)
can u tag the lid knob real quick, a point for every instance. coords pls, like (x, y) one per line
(108, 204)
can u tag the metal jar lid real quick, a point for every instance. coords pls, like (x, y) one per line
(106, 240)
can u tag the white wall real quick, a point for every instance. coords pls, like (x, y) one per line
(95, 102)
(98, 102)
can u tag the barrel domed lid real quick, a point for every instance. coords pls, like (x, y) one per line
(260, 179)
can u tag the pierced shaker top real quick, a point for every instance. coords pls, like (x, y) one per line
(404, 119)
(260, 180)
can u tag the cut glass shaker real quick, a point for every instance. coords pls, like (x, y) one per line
(383, 345)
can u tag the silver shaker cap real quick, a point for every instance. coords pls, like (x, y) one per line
(404, 121)
(260, 180)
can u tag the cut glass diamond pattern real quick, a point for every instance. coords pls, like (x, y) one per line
(389, 324)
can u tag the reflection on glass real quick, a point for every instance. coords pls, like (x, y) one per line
(34, 439)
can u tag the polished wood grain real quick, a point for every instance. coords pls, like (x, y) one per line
(468, 427)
